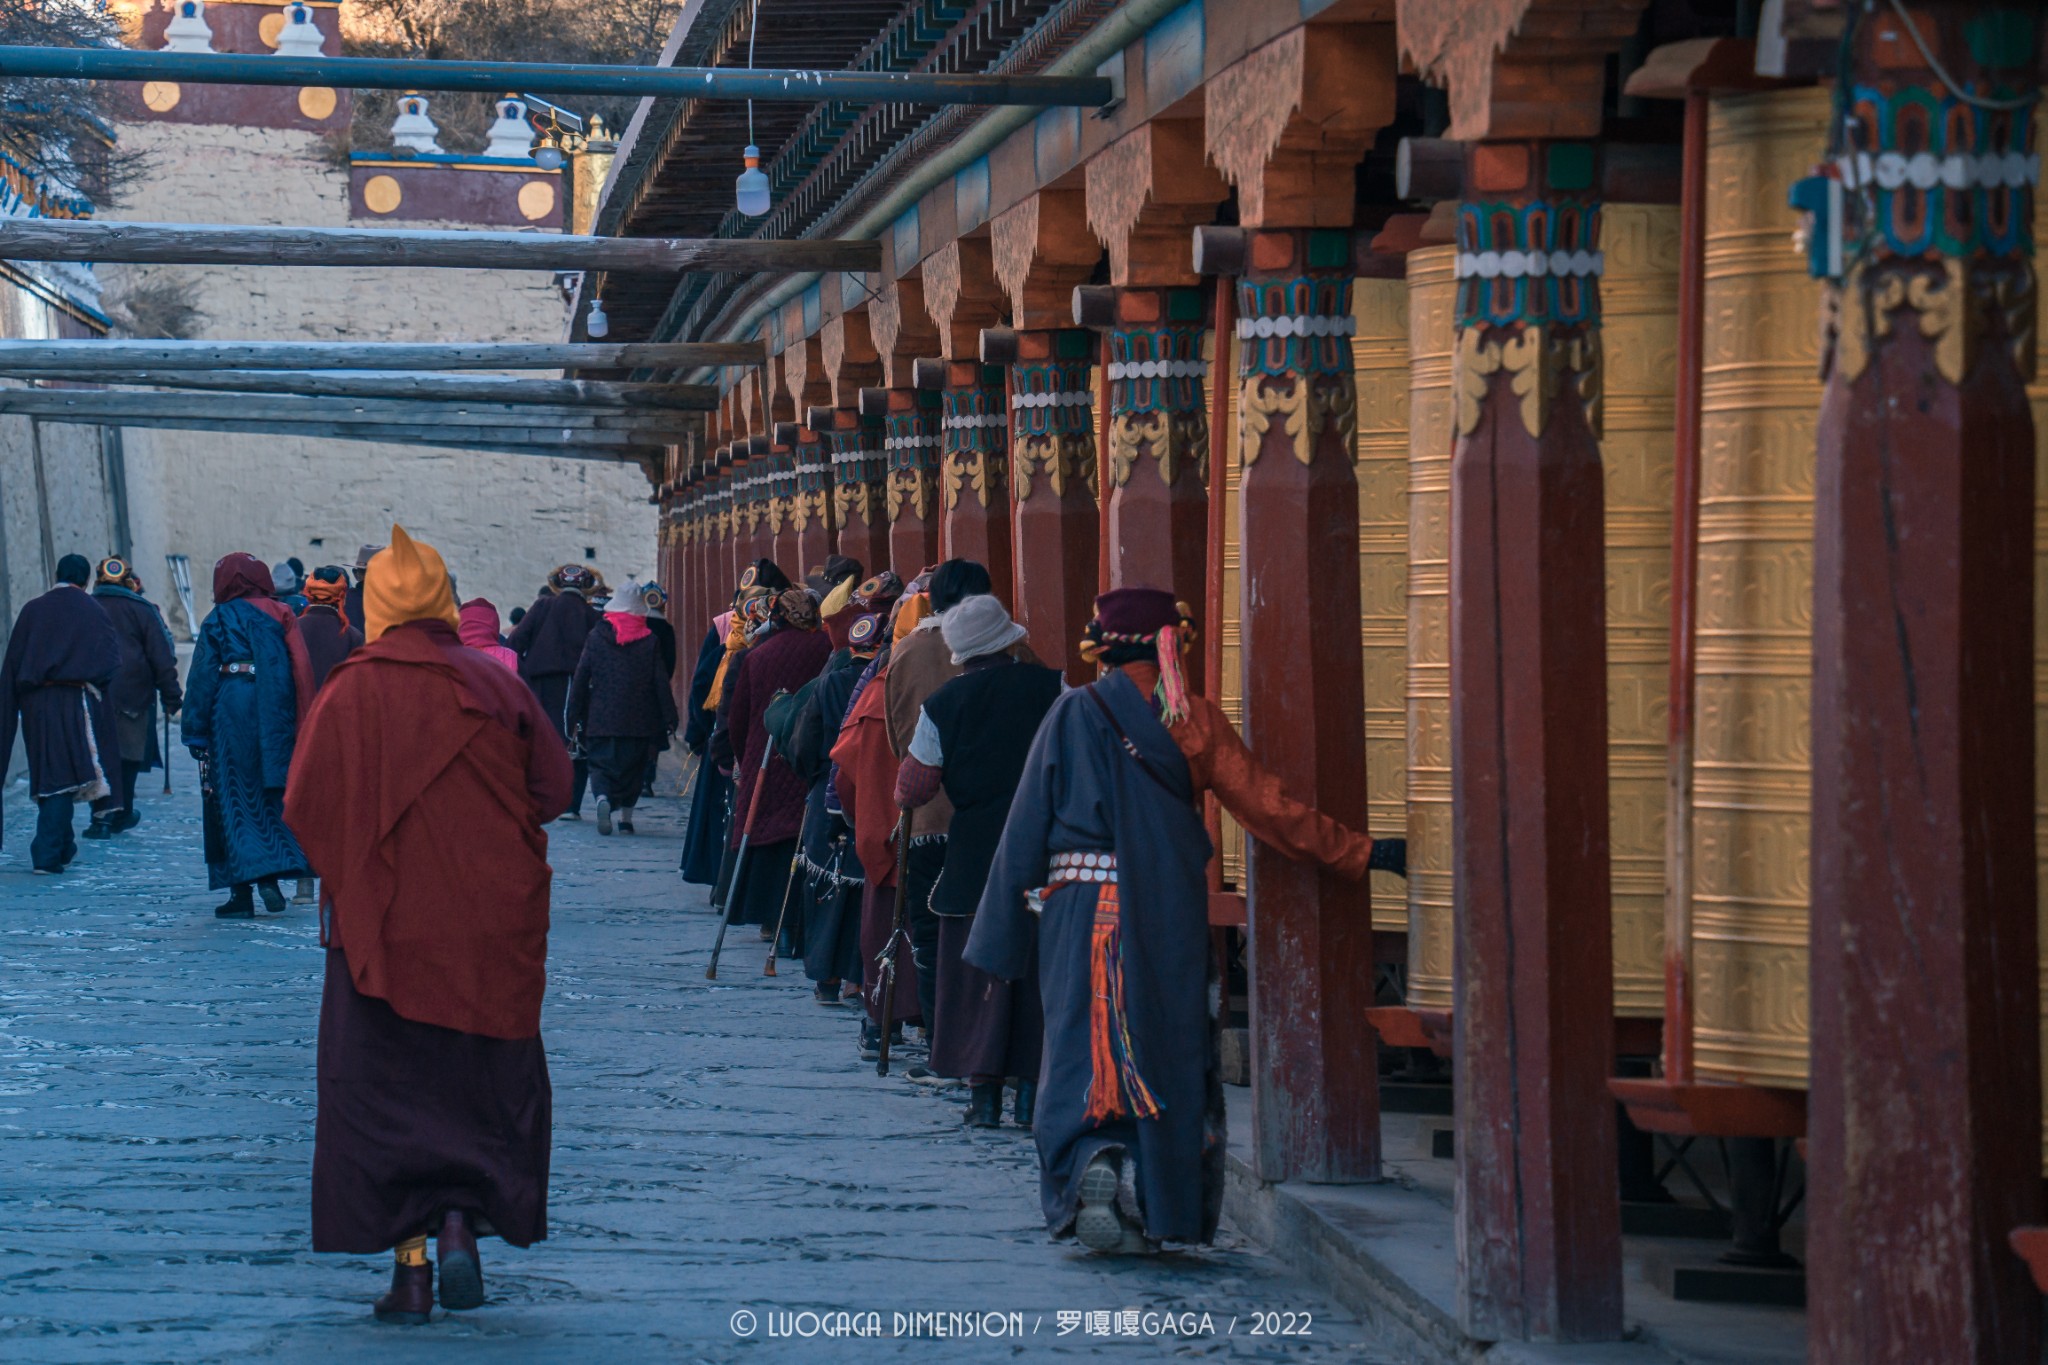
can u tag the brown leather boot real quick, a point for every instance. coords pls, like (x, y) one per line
(411, 1300)
(462, 1271)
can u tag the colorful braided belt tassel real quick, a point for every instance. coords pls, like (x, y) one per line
(1116, 1089)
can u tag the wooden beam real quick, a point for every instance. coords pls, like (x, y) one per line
(113, 407)
(516, 440)
(552, 392)
(495, 78)
(65, 239)
(17, 357)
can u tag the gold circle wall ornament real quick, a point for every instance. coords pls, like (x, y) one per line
(316, 101)
(536, 200)
(161, 95)
(271, 29)
(381, 194)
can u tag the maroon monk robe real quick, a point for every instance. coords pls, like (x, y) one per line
(427, 773)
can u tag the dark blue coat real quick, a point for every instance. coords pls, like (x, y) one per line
(244, 727)
(1083, 792)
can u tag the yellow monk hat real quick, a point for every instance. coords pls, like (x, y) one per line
(406, 581)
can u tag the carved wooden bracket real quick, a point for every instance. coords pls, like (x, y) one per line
(803, 374)
(1042, 249)
(1288, 123)
(962, 294)
(1143, 217)
(902, 328)
(847, 350)
(1517, 68)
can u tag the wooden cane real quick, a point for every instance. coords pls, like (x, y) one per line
(739, 862)
(788, 887)
(167, 753)
(888, 960)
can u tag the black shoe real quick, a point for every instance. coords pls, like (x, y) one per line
(100, 829)
(626, 820)
(985, 1106)
(826, 992)
(1389, 855)
(126, 819)
(240, 904)
(1026, 1106)
(870, 1043)
(273, 899)
(410, 1301)
(462, 1274)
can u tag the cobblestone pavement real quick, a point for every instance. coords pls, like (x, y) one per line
(719, 1149)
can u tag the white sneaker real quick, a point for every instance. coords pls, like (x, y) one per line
(604, 815)
(1097, 1225)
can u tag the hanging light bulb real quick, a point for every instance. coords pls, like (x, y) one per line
(597, 324)
(752, 185)
(547, 153)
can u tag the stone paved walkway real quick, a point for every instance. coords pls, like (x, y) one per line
(719, 1150)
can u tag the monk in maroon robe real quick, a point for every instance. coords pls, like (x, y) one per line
(427, 773)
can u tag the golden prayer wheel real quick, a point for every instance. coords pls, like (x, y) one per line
(1432, 284)
(1760, 404)
(1230, 688)
(1379, 355)
(1639, 322)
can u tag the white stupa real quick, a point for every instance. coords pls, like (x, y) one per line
(301, 36)
(412, 128)
(511, 136)
(188, 31)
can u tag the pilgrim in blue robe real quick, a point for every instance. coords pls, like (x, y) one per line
(246, 726)
(711, 791)
(1082, 792)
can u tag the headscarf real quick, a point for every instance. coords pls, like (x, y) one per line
(796, 608)
(478, 628)
(406, 582)
(979, 626)
(910, 612)
(329, 592)
(243, 578)
(627, 612)
(75, 570)
(878, 594)
(749, 609)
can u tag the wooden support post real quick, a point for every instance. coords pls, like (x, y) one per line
(910, 444)
(1158, 437)
(813, 503)
(975, 469)
(1925, 1113)
(853, 449)
(785, 538)
(1052, 443)
(1533, 1031)
(1315, 1092)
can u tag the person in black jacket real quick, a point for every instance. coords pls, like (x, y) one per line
(973, 737)
(549, 643)
(331, 634)
(148, 672)
(620, 707)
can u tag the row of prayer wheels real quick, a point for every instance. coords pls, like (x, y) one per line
(1761, 392)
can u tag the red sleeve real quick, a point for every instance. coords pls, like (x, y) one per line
(1219, 762)
(917, 783)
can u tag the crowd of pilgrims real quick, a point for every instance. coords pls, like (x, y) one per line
(882, 777)
(953, 838)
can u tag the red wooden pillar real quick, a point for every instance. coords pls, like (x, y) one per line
(1533, 1033)
(1158, 436)
(812, 505)
(853, 450)
(1052, 444)
(1924, 1133)
(1315, 1085)
(782, 506)
(974, 470)
(910, 443)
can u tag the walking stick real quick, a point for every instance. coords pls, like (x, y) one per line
(739, 864)
(887, 960)
(167, 753)
(787, 887)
